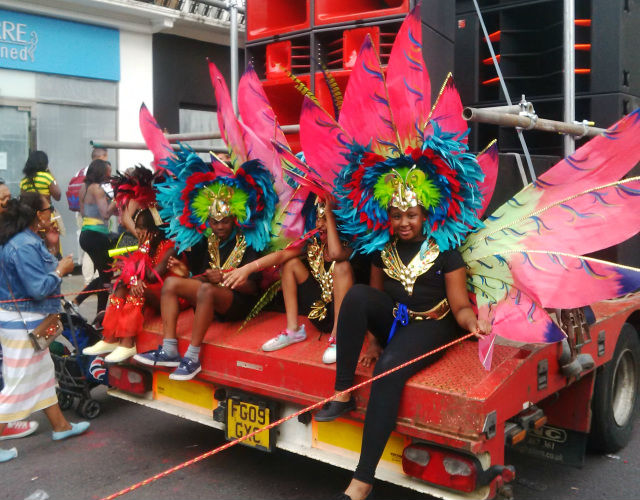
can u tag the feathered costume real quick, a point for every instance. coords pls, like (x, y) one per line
(123, 316)
(389, 147)
(194, 192)
(292, 215)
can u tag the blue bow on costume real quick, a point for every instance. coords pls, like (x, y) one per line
(402, 316)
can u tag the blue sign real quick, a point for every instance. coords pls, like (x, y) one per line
(48, 45)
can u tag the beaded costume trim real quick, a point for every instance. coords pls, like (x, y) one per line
(235, 257)
(315, 257)
(407, 275)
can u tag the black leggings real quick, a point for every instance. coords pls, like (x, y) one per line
(97, 245)
(365, 308)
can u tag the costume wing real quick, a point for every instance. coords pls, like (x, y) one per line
(324, 142)
(488, 161)
(366, 114)
(227, 121)
(154, 138)
(408, 82)
(447, 112)
(530, 254)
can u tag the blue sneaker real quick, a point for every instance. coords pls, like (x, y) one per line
(187, 370)
(6, 455)
(76, 429)
(159, 357)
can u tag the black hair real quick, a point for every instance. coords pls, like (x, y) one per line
(96, 173)
(38, 161)
(144, 219)
(19, 213)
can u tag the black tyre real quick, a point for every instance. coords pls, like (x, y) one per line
(65, 400)
(89, 408)
(615, 396)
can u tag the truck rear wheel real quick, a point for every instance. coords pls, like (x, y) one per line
(615, 395)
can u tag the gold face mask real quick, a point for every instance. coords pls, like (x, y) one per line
(321, 210)
(220, 203)
(404, 197)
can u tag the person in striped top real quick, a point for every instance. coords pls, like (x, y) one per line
(38, 178)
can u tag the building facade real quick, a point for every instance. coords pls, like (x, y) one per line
(72, 71)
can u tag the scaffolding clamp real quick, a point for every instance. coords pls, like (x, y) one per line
(526, 110)
(585, 127)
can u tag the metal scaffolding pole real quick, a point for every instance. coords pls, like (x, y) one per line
(233, 19)
(529, 122)
(569, 67)
(193, 136)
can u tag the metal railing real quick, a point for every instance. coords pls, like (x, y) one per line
(214, 9)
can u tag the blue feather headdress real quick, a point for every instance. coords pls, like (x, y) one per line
(438, 175)
(195, 193)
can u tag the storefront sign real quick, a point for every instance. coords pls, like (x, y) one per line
(48, 45)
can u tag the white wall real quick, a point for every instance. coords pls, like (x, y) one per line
(135, 87)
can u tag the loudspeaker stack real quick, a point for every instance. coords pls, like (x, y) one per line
(294, 35)
(528, 39)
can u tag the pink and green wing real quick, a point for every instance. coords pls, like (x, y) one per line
(408, 82)
(366, 114)
(521, 319)
(604, 159)
(515, 315)
(323, 141)
(447, 113)
(227, 121)
(154, 138)
(255, 109)
(565, 281)
(488, 161)
(581, 224)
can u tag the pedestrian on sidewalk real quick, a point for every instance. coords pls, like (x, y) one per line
(29, 271)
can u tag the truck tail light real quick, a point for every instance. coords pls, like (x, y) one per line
(456, 467)
(129, 379)
(442, 467)
(418, 456)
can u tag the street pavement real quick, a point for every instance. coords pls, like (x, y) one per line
(128, 443)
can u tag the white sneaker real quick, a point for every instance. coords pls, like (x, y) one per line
(120, 354)
(329, 356)
(285, 338)
(101, 347)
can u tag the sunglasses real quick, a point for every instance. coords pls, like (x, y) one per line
(46, 209)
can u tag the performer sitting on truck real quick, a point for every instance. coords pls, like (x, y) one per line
(139, 284)
(233, 212)
(315, 288)
(408, 193)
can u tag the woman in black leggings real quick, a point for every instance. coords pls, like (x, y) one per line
(430, 291)
(96, 208)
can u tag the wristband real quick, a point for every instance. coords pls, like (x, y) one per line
(58, 273)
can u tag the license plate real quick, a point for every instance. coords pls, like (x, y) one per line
(243, 418)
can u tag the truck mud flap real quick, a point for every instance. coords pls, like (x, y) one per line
(554, 444)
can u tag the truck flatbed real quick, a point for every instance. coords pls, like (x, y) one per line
(454, 403)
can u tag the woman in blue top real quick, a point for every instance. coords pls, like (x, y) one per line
(28, 271)
(96, 207)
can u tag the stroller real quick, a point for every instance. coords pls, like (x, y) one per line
(77, 373)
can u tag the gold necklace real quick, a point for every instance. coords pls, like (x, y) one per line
(315, 257)
(407, 275)
(235, 257)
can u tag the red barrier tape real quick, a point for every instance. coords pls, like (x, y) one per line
(274, 424)
(81, 292)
